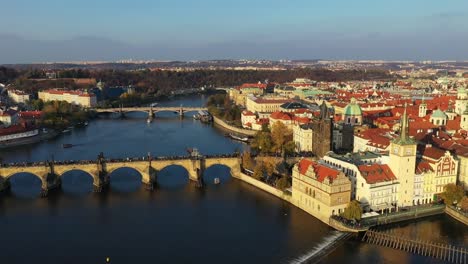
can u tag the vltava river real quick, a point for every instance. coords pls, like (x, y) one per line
(228, 223)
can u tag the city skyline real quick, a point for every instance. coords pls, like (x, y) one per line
(181, 30)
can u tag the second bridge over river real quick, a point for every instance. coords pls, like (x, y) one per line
(151, 111)
(50, 172)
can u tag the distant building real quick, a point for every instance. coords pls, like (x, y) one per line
(18, 97)
(265, 104)
(8, 117)
(81, 98)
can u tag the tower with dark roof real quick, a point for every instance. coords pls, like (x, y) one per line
(322, 132)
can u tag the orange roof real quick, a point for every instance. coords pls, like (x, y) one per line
(423, 166)
(433, 153)
(376, 173)
(281, 115)
(321, 172)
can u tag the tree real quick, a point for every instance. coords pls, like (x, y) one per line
(352, 211)
(282, 183)
(258, 171)
(263, 142)
(452, 194)
(269, 164)
(289, 147)
(464, 203)
(247, 160)
(280, 134)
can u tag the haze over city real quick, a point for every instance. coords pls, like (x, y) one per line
(186, 30)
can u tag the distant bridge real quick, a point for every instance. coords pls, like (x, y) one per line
(50, 172)
(151, 111)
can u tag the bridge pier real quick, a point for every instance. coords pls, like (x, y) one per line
(4, 185)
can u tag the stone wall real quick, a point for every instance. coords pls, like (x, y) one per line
(242, 131)
(457, 215)
(263, 186)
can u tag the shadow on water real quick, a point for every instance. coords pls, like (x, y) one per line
(77, 183)
(125, 180)
(173, 177)
(25, 185)
(220, 172)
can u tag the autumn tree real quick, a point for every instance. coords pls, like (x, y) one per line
(258, 171)
(463, 204)
(282, 183)
(247, 160)
(280, 134)
(452, 193)
(269, 164)
(352, 211)
(263, 142)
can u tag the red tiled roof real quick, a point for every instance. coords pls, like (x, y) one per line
(423, 166)
(321, 172)
(432, 153)
(281, 115)
(376, 173)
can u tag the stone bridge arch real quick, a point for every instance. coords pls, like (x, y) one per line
(193, 167)
(41, 172)
(91, 169)
(141, 167)
(232, 163)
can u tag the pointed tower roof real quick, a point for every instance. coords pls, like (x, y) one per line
(324, 112)
(404, 138)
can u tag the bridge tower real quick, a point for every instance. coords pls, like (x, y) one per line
(51, 181)
(181, 111)
(198, 166)
(121, 112)
(151, 181)
(151, 113)
(102, 179)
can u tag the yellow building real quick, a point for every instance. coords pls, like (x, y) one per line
(319, 189)
(463, 171)
(265, 104)
(81, 98)
(302, 136)
(443, 170)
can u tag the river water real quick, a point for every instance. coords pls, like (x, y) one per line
(228, 223)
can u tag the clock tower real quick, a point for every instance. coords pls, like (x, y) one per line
(403, 162)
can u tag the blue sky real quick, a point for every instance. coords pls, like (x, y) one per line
(52, 30)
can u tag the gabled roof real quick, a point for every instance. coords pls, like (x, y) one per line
(376, 173)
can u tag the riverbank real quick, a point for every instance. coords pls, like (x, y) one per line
(241, 131)
(459, 216)
(30, 140)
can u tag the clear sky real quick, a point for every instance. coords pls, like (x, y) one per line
(60, 30)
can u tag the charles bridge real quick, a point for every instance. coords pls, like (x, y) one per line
(150, 110)
(50, 172)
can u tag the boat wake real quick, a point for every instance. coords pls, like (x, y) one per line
(322, 249)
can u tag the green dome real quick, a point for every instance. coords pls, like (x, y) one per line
(461, 90)
(438, 114)
(353, 109)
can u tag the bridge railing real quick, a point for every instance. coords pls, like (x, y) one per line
(115, 160)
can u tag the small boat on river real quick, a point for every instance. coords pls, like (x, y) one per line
(243, 139)
(67, 145)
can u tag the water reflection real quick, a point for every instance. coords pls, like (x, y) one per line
(219, 172)
(77, 182)
(25, 185)
(125, 180)
(172, 177)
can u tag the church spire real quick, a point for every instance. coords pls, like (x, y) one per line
(404, 126)
(404, 138)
